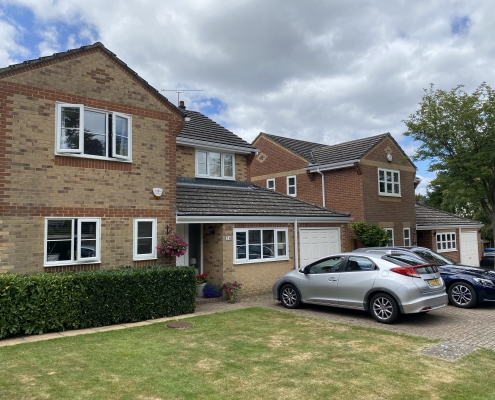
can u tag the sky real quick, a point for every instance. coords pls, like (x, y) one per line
(325, 71)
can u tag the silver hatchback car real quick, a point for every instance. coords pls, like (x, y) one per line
(386, 285)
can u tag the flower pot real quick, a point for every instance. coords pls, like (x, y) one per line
(199, 289)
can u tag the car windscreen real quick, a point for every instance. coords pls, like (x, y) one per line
(433, 257)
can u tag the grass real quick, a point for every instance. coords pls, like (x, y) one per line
(247, 354)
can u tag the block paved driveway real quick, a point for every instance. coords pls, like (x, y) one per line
(474, 327)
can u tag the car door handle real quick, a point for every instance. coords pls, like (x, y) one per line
(332, 279)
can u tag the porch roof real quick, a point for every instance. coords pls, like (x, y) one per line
(220, 198)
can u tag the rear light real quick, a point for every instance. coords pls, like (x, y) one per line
(483, 256)
(407, 271)
(426, 309)
(413, 271)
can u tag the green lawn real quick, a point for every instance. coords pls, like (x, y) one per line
(248, 354)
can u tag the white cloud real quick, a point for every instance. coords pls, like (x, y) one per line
(10, 51)
(320, 71)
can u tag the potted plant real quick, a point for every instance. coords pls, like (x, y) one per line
(173, 245)
(201, 282)
(210, 290)
(233, 290)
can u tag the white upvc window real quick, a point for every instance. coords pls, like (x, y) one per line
(388, 182)
(390, 232)
(270, 184)
(93, 133)
(211, 164)
(446, 241)
(407, 237)
(291, 186)
(72, 241)
(144, 239)
(260, 245)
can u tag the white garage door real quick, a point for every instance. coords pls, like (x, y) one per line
(469, 248)
(318, 243)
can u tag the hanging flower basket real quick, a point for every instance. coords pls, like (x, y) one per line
(173, 245)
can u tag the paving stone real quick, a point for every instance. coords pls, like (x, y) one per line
(449, 351)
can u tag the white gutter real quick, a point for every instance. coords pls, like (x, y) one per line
(296, 248)
(328, 167)
(322, 186)
(225, 219)
(434, 227)
(216, 146)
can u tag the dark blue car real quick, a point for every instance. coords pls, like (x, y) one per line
(466, 286)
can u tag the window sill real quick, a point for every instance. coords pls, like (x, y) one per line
(447, 251)
(147, 258)
(258, 260)
(61, 263)
(89, 157)
(389, 195)
(215, 177)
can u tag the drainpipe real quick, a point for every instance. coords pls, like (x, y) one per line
(296, 249)
(322, 186)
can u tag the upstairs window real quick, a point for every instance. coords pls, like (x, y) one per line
(388, 182)
(93, 133)
(270, 184)
(291, 186)
(214, 165)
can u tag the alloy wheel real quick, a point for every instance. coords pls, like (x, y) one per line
(383, 308)
(289, 296)
(461, 295)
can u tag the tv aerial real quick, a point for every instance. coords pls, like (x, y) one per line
(179, 91)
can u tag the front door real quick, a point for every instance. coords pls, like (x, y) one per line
(192, 234)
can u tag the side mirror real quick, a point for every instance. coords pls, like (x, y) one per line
(306, 270)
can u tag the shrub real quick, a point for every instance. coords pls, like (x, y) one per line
(370, 235)
(55, 302)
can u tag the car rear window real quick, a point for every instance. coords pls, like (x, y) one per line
(404, 260)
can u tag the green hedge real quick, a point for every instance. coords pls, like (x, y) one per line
(59, 301)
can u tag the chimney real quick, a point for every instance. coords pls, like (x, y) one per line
(181, 105)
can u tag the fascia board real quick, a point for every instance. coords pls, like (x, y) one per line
(328, 167)
(219, 219)
(215, 146)
(429, 228)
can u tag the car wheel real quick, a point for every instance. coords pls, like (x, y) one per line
(462, 294)
(384, 308)
(290, 296)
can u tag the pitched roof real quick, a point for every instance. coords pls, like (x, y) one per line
(47, 60)
(200, 128)
(428, 216)
(212, 197)
(319, 154)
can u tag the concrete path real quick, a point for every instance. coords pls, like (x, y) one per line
(474, 327)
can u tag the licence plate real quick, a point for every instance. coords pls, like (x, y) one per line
(434, 282)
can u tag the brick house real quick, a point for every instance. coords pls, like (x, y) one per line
(237, 230)
(86, 142)
(370, 178)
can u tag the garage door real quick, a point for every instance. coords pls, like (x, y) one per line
(318, 243)
(469, 248)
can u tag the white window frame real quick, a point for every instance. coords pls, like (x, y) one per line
(246, 260)
(391, 230)
(79, 152)
(147, 256)
(408, 238)
(270, 181)
(292, 186)
(392, 172)
(222, 167)
(75, 244)
(443, 240)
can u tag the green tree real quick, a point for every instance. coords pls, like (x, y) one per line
(370, 235)
(456, 131)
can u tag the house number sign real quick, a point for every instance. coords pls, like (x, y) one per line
(228, 238)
